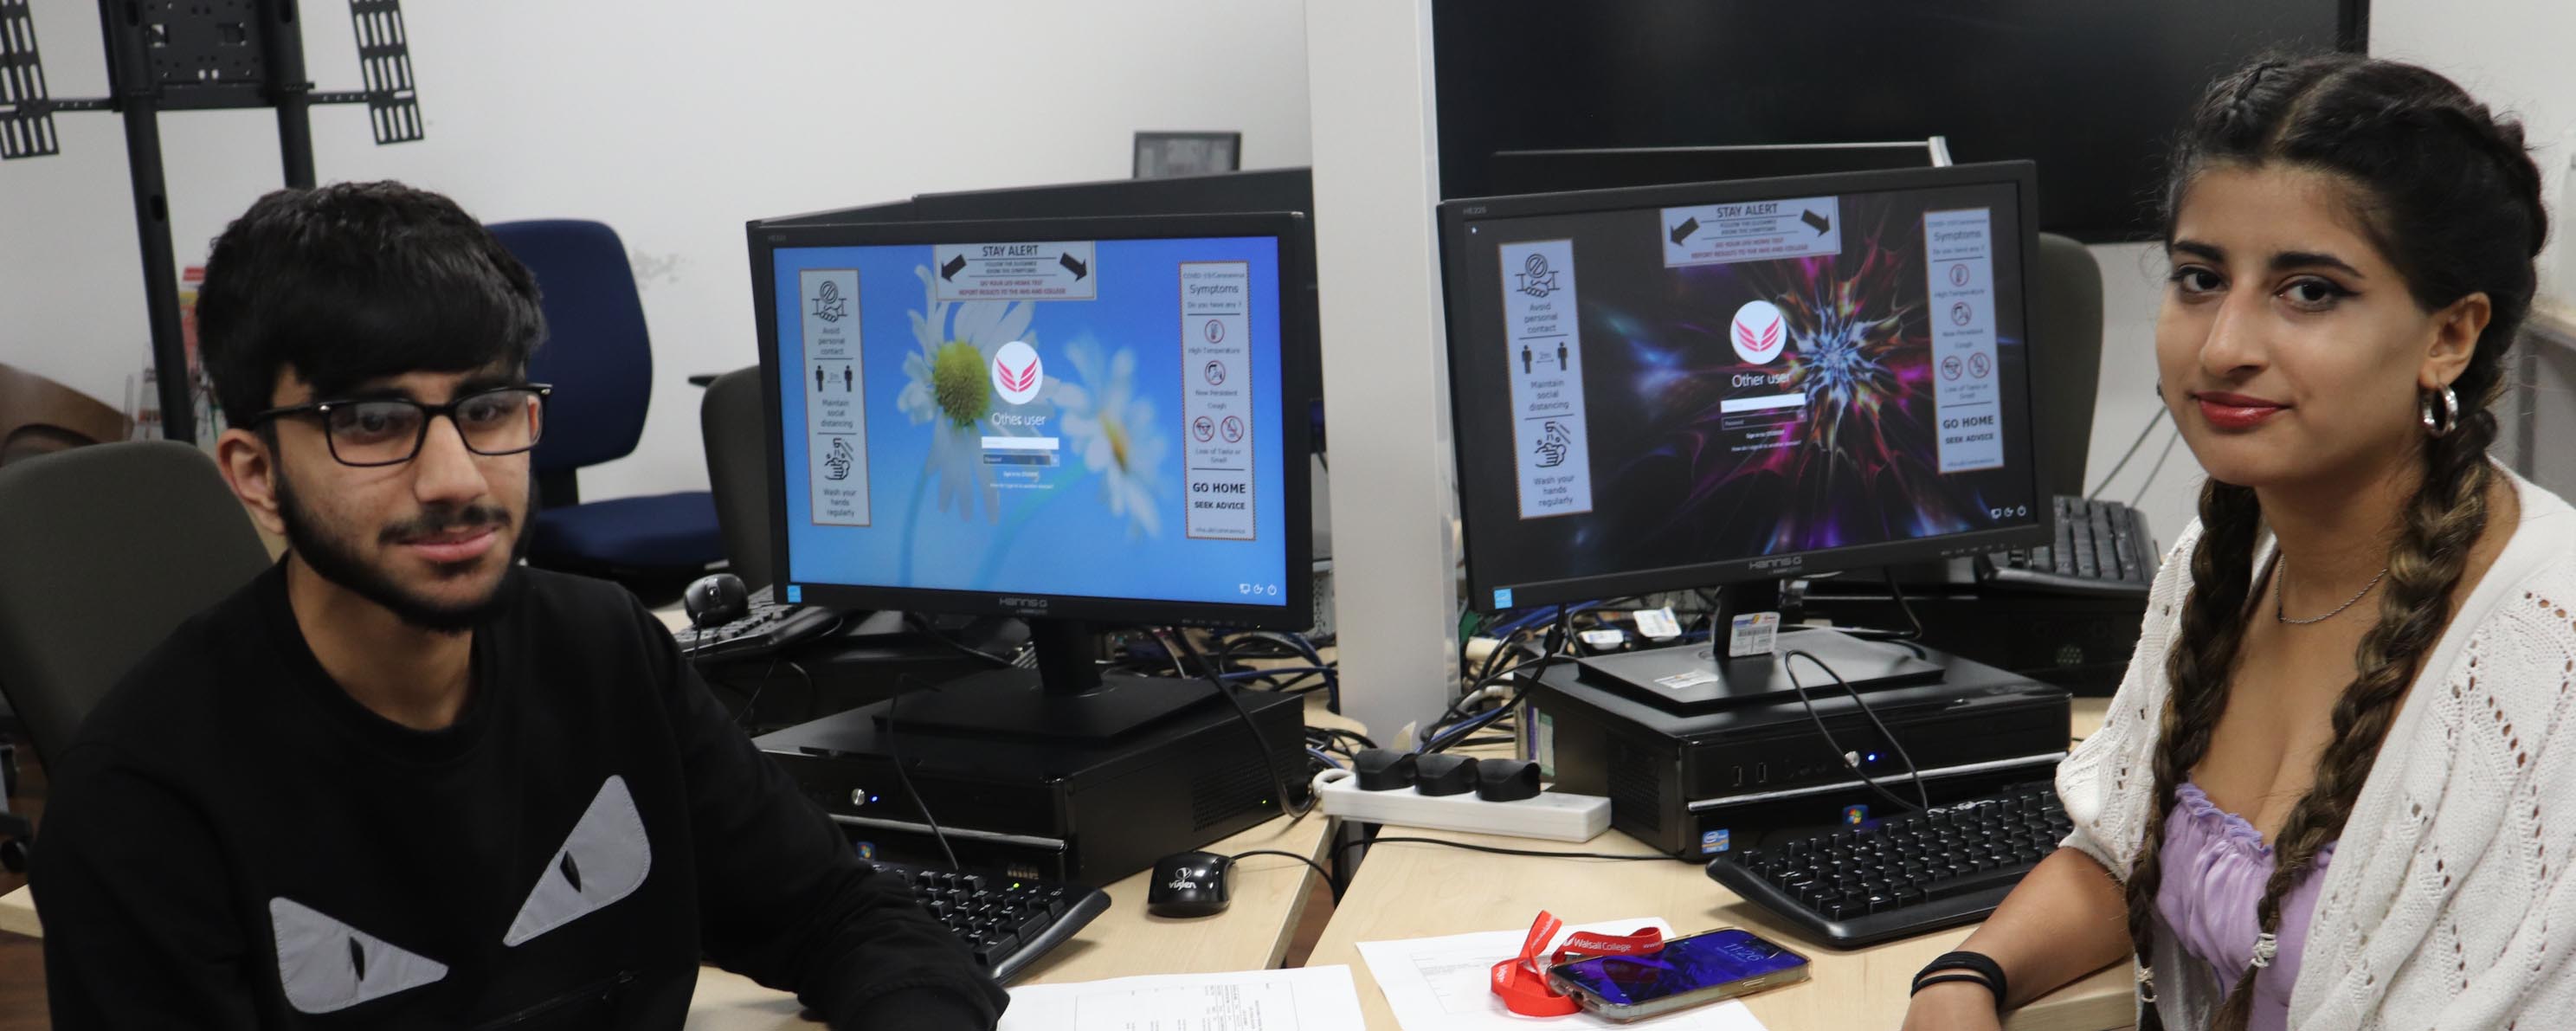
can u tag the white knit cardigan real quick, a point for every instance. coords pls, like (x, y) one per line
(2447, 904)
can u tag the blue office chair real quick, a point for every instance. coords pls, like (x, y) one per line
(600, 361)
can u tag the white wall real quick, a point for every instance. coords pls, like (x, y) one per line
(674, 122)
(2512, 54)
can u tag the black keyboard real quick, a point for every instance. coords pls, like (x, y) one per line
(2102, 547)
(1007, 921)
(1903, 876)
(767, 628)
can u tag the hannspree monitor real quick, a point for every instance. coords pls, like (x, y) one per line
(1685, 386)
(1075, 421)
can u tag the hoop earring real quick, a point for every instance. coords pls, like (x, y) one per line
(2450, 417)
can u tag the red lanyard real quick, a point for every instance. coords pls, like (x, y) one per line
(1522, 980)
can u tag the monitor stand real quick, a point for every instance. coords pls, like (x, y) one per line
(1065, 697)
(1693, 678)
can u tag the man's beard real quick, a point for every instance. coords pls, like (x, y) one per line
(334, 560)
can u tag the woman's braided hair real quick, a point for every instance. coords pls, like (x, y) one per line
(2448, 193)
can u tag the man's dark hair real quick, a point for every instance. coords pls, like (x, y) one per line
(353, 282)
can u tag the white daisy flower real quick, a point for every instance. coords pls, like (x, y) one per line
(1115, 432)
(948, 385)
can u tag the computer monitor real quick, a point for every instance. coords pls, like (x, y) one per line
(1605, 168)
(1073, 421)
(1677, 387)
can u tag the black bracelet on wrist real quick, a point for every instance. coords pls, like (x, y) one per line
(1928, 980)
(1964, 966)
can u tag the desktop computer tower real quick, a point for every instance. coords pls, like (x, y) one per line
(2080, 642)
(1694, 785)
(1087, 812)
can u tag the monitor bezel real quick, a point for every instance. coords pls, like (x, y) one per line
(1455, 247)
(1298, 384)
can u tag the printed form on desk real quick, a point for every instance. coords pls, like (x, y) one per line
(1445, 984)
(1304, 999)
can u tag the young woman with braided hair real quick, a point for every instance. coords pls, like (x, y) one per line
(2326, 794)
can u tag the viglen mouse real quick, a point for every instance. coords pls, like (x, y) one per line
(1191, 884)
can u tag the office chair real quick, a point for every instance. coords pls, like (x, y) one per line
(39, 416)
(2066, 331)
(600, 361)
(732, 417)
(108, 549)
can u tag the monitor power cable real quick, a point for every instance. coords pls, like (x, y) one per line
(894, 751)
(1213, 670)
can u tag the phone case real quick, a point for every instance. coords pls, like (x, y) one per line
(1684, 1000)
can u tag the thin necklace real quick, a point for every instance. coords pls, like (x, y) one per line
(2283, 588)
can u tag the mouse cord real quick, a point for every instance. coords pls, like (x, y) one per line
(1319, 869)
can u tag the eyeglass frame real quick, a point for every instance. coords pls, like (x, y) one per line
(429, 413)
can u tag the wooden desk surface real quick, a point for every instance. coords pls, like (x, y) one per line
(1253, 933)
(1270, 896)
(1423, 891)
(18, 914)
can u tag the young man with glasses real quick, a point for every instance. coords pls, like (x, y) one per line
(400, 780)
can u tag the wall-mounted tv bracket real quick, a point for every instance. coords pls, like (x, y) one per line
(199, 55)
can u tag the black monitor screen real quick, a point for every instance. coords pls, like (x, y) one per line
(1684, 386)
(2092, 90)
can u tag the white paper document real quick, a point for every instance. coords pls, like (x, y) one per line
(1445, 984)
(1306, 999)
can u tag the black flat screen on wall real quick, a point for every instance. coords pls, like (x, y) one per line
(2093, 92)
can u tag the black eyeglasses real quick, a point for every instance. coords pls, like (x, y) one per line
(389, 431)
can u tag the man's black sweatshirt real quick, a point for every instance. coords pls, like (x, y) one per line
(234, 842)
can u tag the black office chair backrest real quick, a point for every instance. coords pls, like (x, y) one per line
(734, 416)
(103, 551)
(2066, 331)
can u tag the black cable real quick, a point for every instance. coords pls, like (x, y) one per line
(2159, 467)
(933, 633)
(1453, 716)
(1897, 591)
(1327, 875)
(1923, 796)
(751, 707)
(2123, 463)
(1624, 856)
(896, 753)
(1171, 651)
(1338, 741)
(743, 718)
(1278, 786)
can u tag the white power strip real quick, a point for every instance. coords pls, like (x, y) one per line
(1556, 817)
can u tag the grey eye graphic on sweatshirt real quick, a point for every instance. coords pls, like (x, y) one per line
(326, 965)
(604, 859)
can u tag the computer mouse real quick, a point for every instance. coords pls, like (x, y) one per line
(1191, 884)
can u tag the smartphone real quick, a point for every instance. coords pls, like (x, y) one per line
(1689, 971)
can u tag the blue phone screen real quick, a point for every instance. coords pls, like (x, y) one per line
(1685, 965)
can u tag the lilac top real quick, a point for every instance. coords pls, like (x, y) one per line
(2215, 864)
